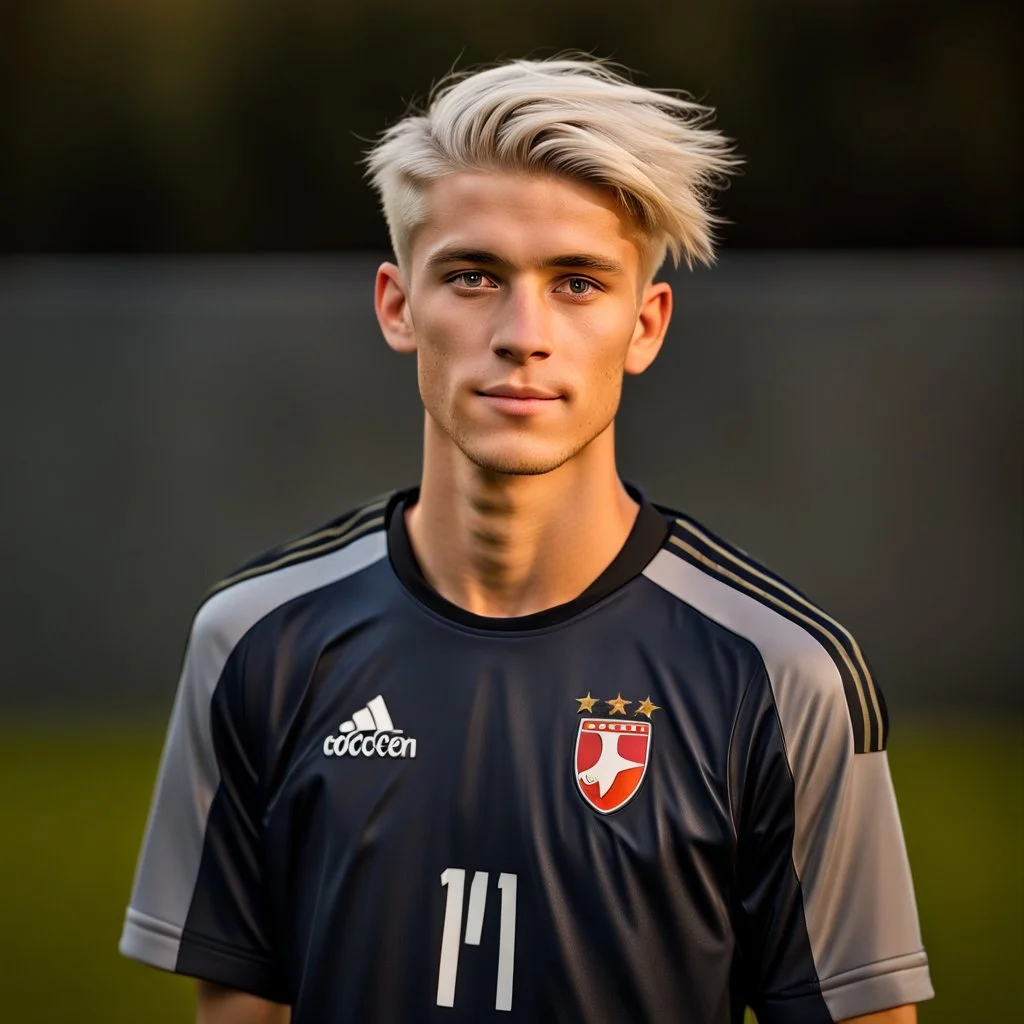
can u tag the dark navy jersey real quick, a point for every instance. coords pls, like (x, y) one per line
(663, 801)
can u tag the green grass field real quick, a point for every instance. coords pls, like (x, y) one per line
(75, 801)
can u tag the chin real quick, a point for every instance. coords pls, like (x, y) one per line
(516, 460)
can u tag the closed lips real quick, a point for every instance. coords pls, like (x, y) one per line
(508, 391)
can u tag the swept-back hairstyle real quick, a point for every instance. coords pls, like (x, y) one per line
(574, 117)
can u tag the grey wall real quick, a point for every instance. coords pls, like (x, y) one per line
(855, 421)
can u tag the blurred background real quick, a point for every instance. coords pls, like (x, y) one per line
(190, 371)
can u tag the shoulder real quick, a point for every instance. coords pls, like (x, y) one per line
(814, 663)
(337, 549)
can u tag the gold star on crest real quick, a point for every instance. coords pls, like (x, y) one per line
(618, 705)
(646, 707)
(585, 703)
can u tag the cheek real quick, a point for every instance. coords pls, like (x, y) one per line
(431, 373)
(441, 335)
(605, 347)
(439, 356)
(602, 373)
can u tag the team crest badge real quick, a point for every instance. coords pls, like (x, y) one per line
(612, 754)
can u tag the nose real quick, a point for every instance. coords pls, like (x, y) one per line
(522, 332)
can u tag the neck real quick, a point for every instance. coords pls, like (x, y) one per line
(501, 545)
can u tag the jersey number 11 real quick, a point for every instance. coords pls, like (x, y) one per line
(454, 880)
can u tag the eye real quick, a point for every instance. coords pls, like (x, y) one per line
(473, 279)
(580, 286)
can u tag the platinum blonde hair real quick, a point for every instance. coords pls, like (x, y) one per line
(577, 118)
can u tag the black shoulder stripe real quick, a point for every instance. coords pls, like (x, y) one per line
(755, 574)
(330, 537)
(716, 542)
(868, 713)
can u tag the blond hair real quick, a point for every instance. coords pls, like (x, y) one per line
(578, 118)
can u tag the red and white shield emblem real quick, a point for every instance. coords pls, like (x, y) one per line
(611, 761)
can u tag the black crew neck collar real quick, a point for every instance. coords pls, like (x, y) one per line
(646, 537)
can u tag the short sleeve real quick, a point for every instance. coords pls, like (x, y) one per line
(198, 902)
(828, 924)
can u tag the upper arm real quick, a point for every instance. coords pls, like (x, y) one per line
(218, 1005)
(198, 904)
(897, 1015)
(830, 924)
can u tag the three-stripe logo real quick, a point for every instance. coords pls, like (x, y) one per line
(370, 732)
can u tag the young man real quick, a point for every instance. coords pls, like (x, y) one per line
(518, 745)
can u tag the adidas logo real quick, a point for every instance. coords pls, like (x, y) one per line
(370, 733)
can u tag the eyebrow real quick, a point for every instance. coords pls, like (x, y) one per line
(481, 257)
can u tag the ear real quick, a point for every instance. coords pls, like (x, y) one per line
(651, 325)
(391, 304)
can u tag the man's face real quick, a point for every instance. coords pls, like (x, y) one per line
(524, 305)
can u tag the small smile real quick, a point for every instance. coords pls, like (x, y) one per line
(513, 400)
(520, 392)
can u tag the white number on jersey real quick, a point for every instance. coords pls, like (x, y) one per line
(454, 880)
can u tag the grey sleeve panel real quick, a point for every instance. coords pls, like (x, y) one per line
(848, 850)
(189, 775)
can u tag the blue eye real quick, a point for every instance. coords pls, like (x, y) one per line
(470, 279)
(580, 287)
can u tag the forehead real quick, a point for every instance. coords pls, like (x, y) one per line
(524, 218)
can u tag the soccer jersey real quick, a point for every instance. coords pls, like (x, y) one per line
(662, 801)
